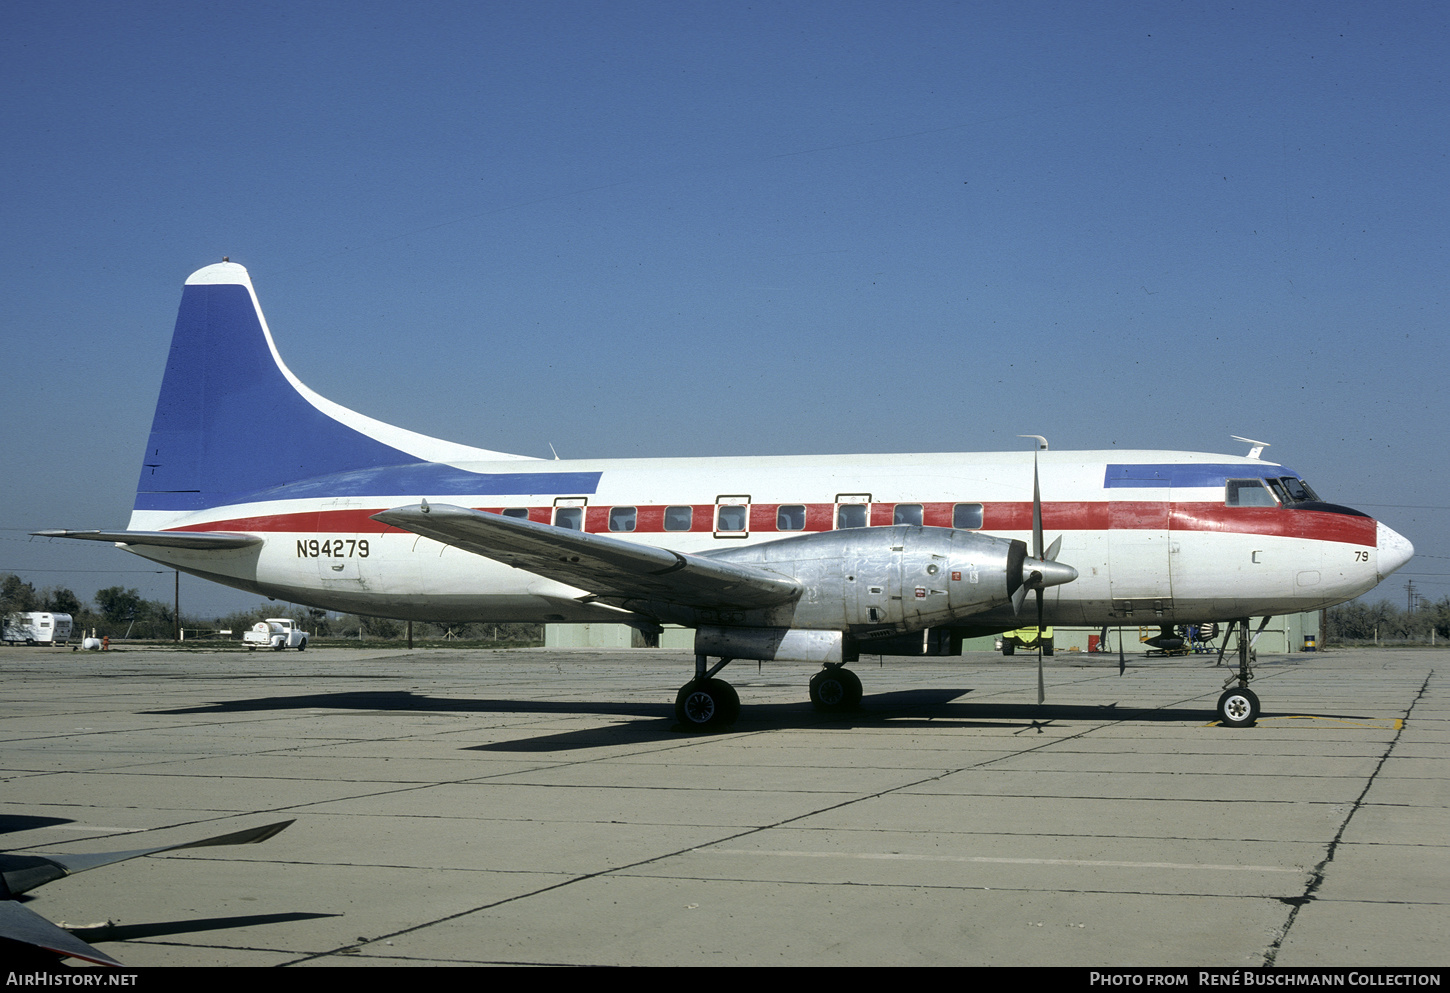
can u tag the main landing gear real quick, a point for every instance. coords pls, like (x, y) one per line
(706, 703)
(709, 704)
(834, 689)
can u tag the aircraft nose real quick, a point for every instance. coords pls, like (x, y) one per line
(1394, 550)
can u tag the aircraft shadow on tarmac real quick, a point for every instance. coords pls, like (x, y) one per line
(903, 708)
(15, 823)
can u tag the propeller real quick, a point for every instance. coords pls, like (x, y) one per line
(1040, 571)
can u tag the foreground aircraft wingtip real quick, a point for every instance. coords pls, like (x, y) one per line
(222, 273)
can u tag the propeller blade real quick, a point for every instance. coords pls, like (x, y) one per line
(1053, 549)
(1041, 690)
(1036, 512)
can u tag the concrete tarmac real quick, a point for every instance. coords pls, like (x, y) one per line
(540, 807)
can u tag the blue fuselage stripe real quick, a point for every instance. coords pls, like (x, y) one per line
(1187, 474)
(425, 479)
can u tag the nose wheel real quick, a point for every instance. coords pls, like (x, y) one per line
(1238, 708)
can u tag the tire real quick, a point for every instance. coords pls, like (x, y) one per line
(1046, 646)
(302, 646)
(1009, 647)
(1238, 708)
(835, 690)
(707, 705)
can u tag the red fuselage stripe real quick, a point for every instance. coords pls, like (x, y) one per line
(1056, 517)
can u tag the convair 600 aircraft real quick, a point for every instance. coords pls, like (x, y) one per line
(252, 480)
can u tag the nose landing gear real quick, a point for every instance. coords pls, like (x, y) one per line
(1238, 706)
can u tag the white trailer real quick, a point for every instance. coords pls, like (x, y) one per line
(37, 627)
(275, 633)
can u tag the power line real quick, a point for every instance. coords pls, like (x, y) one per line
(93, 572)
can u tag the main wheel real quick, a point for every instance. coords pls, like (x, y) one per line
(707, 704)
(1238, 708)
(835, 690)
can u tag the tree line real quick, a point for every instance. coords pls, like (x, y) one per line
(119, 612)
(1382, 621)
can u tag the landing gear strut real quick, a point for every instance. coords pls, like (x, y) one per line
(706, 703)
(835, 689)
(1238, 707)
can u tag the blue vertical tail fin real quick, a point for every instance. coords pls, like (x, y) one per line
(233, 423)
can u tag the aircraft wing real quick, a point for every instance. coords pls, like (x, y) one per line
(19, 923)
(21, 872)
(169, 539)
(609, 568)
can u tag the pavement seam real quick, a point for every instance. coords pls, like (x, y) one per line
(1316, 876)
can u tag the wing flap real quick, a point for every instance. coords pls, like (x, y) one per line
(609, 568)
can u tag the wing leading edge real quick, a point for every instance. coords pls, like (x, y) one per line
(609, 568)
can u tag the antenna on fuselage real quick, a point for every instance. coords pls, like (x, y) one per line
(1258, 448)
(556, 454)
(1041, 441)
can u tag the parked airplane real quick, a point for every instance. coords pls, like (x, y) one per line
(252, 480)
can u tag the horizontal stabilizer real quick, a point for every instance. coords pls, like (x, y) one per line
(611, 569)
(168, 539)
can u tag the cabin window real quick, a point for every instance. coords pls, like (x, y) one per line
(569, 517)
(967, 516)
(621, 518)
(679, 518)
(1247, 493)
(906, 513)
(850, 515)
(519, 512)
(790, 517)
(730, 517)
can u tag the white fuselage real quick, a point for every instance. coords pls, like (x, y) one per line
(1150, 533)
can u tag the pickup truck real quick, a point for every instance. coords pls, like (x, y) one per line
(275, 633)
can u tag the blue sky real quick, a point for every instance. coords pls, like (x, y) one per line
(839, 226)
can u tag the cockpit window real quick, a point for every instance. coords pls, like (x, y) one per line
(1279, 491)
(1299, 490)
(1247, 493)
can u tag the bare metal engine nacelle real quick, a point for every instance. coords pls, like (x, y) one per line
(867, 583)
